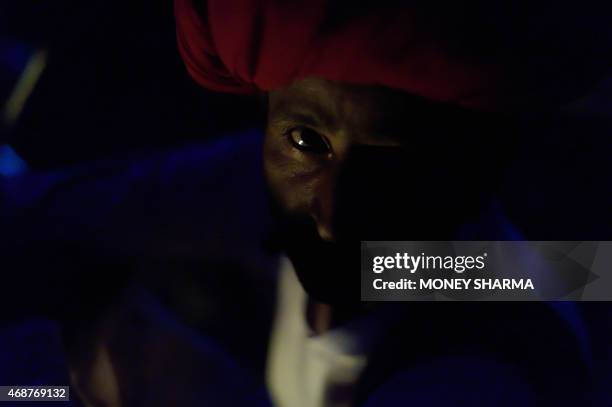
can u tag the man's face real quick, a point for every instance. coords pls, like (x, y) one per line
(348, 163)
(312, 127)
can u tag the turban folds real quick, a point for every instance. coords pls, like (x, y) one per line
(471, 54)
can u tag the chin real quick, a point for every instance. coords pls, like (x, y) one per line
(329, 272)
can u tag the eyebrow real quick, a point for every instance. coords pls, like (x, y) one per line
(305, 112)
(311, 115)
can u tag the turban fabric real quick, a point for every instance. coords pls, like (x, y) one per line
(493, 57)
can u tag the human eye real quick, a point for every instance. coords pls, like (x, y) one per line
(308, 140)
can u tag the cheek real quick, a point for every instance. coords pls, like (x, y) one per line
(291, 180)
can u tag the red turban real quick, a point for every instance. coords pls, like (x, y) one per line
(485, 62)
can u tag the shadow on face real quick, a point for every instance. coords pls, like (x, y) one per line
(346, 163)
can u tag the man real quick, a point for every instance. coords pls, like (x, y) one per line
(369, 104)
(351, 127)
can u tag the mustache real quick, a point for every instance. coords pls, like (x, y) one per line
(328, 272)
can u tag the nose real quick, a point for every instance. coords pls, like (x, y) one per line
(322, 208)
(322, 218)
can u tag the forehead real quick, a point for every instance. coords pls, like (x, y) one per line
(335, 97)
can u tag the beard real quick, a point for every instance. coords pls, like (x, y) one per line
(328, 272)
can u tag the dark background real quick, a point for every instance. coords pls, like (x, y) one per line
(115, 85)
(114, 82)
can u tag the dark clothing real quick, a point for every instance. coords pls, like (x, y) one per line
(190, 227)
